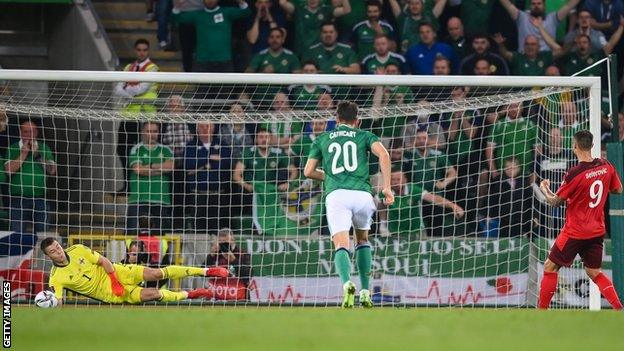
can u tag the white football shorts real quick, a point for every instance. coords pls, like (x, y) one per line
(349, 207)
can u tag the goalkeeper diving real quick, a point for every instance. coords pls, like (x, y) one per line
(343, 154)
(86, 272)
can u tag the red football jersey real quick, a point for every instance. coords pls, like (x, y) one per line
(585, 189)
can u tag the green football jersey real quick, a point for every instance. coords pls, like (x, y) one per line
(281, 62)
(305, 99)
(405, 215)
(308, 26)
(521, 65)
(344, 154)
(149, 189)
(514, 138)
(364, 36)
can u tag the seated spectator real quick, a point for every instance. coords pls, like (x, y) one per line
(176, 135)
(530, 63)
(482, 67)
(301, 148)
(309, 20)
(365, 32)
(388, 127)
(266, 17)
(510, 201)
(481, 47)
(441, 66)
(409, 20)
(596, 37)
(382, 57)
(430, 168)
(403, 217)
(421, 56)
(207, 166)
(265, 172)
(28, 164)
(329, 55)
(475, 14)
(235, 135)
(275, 59)
(456, 38)
(537, 10)
(226, 253)
(150, 195)
(213, 27)
(569, 123)
(286, 132)
(606, 14)
(307, 96)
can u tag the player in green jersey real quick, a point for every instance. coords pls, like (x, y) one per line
(344, 156)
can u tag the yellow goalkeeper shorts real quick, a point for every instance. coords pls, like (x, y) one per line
(130, 276)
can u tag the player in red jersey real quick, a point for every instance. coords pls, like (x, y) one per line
(584, 189)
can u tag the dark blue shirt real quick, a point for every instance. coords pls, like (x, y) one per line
(210, 173)
(420, 58)
(264, 27)
(602, 12)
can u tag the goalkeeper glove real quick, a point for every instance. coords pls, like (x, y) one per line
(118, 289)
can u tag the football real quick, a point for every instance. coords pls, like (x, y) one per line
(46, 299)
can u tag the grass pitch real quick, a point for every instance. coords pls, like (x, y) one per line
(250, 328)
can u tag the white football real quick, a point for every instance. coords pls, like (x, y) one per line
(46, 299)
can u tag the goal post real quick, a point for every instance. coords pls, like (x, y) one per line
(469, 229)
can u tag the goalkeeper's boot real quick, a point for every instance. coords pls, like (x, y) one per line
(218, 272)
(199, 293)
(365, 299)
(348, 299)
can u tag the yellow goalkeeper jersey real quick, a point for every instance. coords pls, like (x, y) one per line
(82, 275)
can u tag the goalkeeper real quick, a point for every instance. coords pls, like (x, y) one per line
(86, 272)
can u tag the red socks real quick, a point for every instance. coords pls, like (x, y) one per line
(547, 289)
(606, 289)
(219, 272)
(197, 293)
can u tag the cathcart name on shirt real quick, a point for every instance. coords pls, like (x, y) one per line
(596, 173)
(339, 133)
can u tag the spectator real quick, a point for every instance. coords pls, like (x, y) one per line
(537, 10)
(569, 123)
(163, 10)
(309, 20)
(404, 216)
(345, 23)
(235, 135)
(475, 14)
(456, 37)
(286, 132)
(481, 47)
(148, 251)
(421, 56)
(409, 20)
(516, 137)
(28, 164)
(275, 59)
(530, 63)
(150, 195)
(213, 27)
(266, 19)
(365, 32)
(331, 56)
(150, 15)
(430, 168)
(307, 96)
(301, 147)
(226, 253)
(186, 32)
(441, 66)
(382, 57)
(606, 14)
(141, 98)
(510, 201)
(390, 127)
(482, 67)
(176, 135)
(207, 165)
(596, 37)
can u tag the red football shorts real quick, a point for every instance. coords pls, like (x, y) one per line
(565, 249)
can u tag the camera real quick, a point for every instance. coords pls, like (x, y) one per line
(224, 247)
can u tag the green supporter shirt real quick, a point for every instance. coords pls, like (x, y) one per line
(284, 62)
(308, 26)
(30, 179)
(341, 55)
(213, 31)
(270, 168)
(514, 138)
(573, 63)
(404, 215)
(427, 169)
(409, 34)
(459, 150)
(373, 61)
(357, 15)
(149, 189)
(521, 65)
(302, 97)
(568, 131)
(475, 15)
(392, 126)
(301, 147)
(364, 37)
(344, 155)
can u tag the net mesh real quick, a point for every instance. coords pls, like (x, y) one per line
(216, 178)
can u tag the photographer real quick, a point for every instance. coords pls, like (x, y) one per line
(226, 253)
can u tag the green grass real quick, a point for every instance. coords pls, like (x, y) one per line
(250, 328)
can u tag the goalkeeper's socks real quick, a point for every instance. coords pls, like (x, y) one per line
(197, 293)
(606, 289)
(342, 261)
(172, 296)
(363, 259)
(547, 289)
(176, 272)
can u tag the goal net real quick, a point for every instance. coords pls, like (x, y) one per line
(207, 169)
